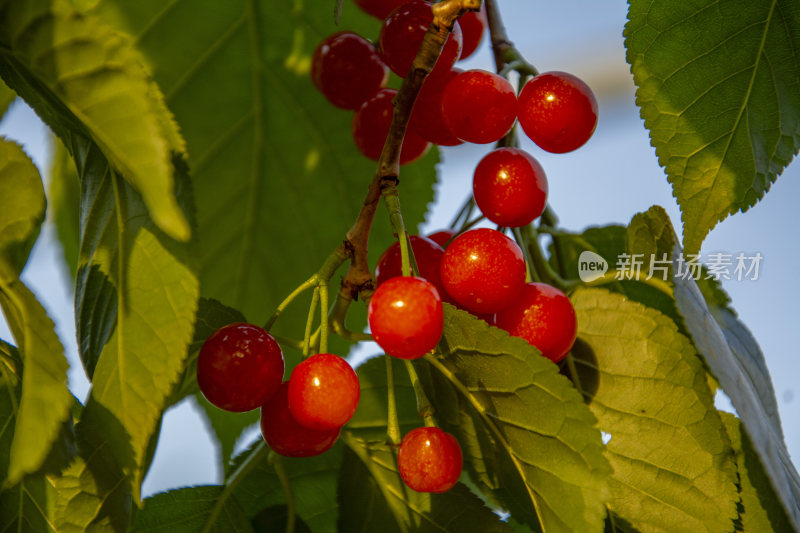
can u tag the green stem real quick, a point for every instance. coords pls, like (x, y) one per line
(337, 317)
(611, 277)
(464, 213)
(531, 272)
(573, 372)
(308, 284)
(310, 322)
(424, 407)
(392, 423)
(256, 455)
(280, 471)
(323, 316)
(543, 268)
(286, 341)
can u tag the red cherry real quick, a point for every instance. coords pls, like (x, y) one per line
(557, 111)
(239, 367)
(402, 33)
(443, 237)
(347, 69)
(510, 187)
(323, 392)
(483, 270)
(427, 253)
(473, 24)
(479, 106)
(430, 460)
(379, 9)
(371, 125)
(426, 119)
(285, 435)
(405, 316)
(543, 316)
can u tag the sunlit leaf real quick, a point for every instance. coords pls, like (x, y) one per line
(718, 88)
(187, 511)
(672, 460)
(527, 435)
(80, 75)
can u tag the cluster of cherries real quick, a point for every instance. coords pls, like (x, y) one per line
(555, 109)
(240, 368)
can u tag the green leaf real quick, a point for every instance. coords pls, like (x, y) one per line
(227, 427)
(761, 511)
(22, 207)
(6, 97)
(718, 85)
(64, 192)
(92, 494)
(45, 399)
(312, 480)
(526, 433)
(672, 460)
(738, 364)
(370, 419)
(277, 178)
(27, 506)
(373, 497)
(80, 75)
(136, 299)
(187, 510)
(10, 392)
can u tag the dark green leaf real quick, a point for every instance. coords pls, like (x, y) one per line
(81, 75)
(10, 381)
(312, 481)
(761, 511)
(227, 427)
(277, 178)
(525, 431)
(369, 421)
(375, 498)
(27, 506)
(188, 510)
(136, 299)
(718, 86)
(672, 460)
(64, 193)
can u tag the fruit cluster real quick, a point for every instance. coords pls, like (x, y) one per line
(240, 368)
(555, 109)
(482, 271)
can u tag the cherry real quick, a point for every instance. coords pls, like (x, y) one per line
(543, 316)
(427, 253)
(347, 69)
(239, 367)
(426, 118)
(430, 460)
(371, 125)
(473, 24)
(285, 435)
(402, 33)
(379, 9)
(479, 106)
(483, 270)
(405, 316)
(443, 237)
(557, 111)
(323, 392)
(510, 187)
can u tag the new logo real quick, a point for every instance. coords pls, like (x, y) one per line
(591, 266)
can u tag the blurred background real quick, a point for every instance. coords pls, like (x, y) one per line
(614, 176)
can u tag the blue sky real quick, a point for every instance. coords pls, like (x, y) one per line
(610, 179)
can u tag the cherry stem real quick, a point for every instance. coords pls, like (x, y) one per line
(392, 423)
(464, 213)
(531, 241)
(532, 274)
(280, 470)
(323, 316)
(424, 407)
(310, 322)
(308, 284)
(254, 457)
(504, 51)
(337, 318)
(573, 373)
